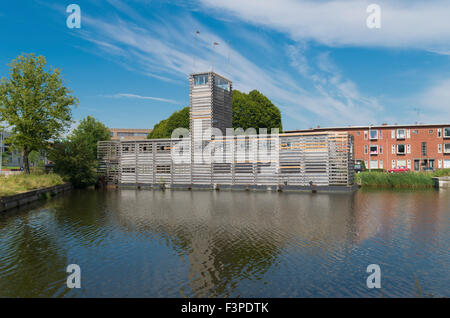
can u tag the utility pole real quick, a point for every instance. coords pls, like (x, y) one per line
(214, 51)
(197, 32)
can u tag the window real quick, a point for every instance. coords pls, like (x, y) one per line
(415, 132)
(393, 164)
(401, 149)
(424, 148)
(439, 164)
(393, 134)
(408, 148)
(430, 131)
(381, 164)
(201, 80)
(401, 163)
(163, 169)
(145, 147)
(381, 149)
(127, 148)
(161, 148)
(409, 164)
(400, 133)
(416, 165)
(447, 132)
(365, 135)
(381, 134)
(128, 170)
(373, 134)
(358, 133)
(408, 133)
(365, 149)
(393, 149)
(220, 82)
(439, 148)
(439, 133)
(373, 164)
(446, 148)
(373, 149)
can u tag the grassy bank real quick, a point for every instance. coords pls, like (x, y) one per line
(19, 183)
(399, 180)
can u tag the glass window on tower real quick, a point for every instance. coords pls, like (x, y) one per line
(220, 82)
(200, 80)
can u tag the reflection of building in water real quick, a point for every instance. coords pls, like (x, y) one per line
(208, 156)
(225, 235)
(380, 212)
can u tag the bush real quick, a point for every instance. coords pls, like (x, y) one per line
(395, 180)
(441, 173)
(76, 157)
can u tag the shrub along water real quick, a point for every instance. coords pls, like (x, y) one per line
(19, 183)
(399, 180)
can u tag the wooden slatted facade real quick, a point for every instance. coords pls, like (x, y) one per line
(292, 159)
(211, 159)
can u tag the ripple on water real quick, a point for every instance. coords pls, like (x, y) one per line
(220, 244)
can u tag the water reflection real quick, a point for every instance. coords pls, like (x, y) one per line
(219, 244)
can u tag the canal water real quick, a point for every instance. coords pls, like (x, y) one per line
(228, 244)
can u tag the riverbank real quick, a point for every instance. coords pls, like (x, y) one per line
(399, 180)
(15, 184)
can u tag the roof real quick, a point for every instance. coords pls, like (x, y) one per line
(371, 126)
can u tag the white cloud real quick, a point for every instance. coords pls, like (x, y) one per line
(134, 96)
(434, 103)
(163, 49)
(404, 23)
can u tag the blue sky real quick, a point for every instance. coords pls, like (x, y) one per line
(316, 60)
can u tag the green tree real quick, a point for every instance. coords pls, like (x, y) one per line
(163, 129)
(252, 110)
(76, 157)
(35, 104)
(35, 158)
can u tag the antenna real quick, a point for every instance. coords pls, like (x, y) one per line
(214, 51)
(197, 32)
(417, 109)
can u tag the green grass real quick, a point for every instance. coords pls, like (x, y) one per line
(19, 183)
(399, 180)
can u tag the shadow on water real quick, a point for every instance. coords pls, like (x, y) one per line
(217, 244)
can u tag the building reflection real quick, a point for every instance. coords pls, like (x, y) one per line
(229, 235)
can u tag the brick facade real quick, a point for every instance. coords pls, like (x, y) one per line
(414, 146)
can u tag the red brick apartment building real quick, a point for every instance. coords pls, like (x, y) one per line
(389, 146)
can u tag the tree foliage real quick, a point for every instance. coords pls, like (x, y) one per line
(252, 110)
(35, 104)
(76, 157)
(163, 129)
